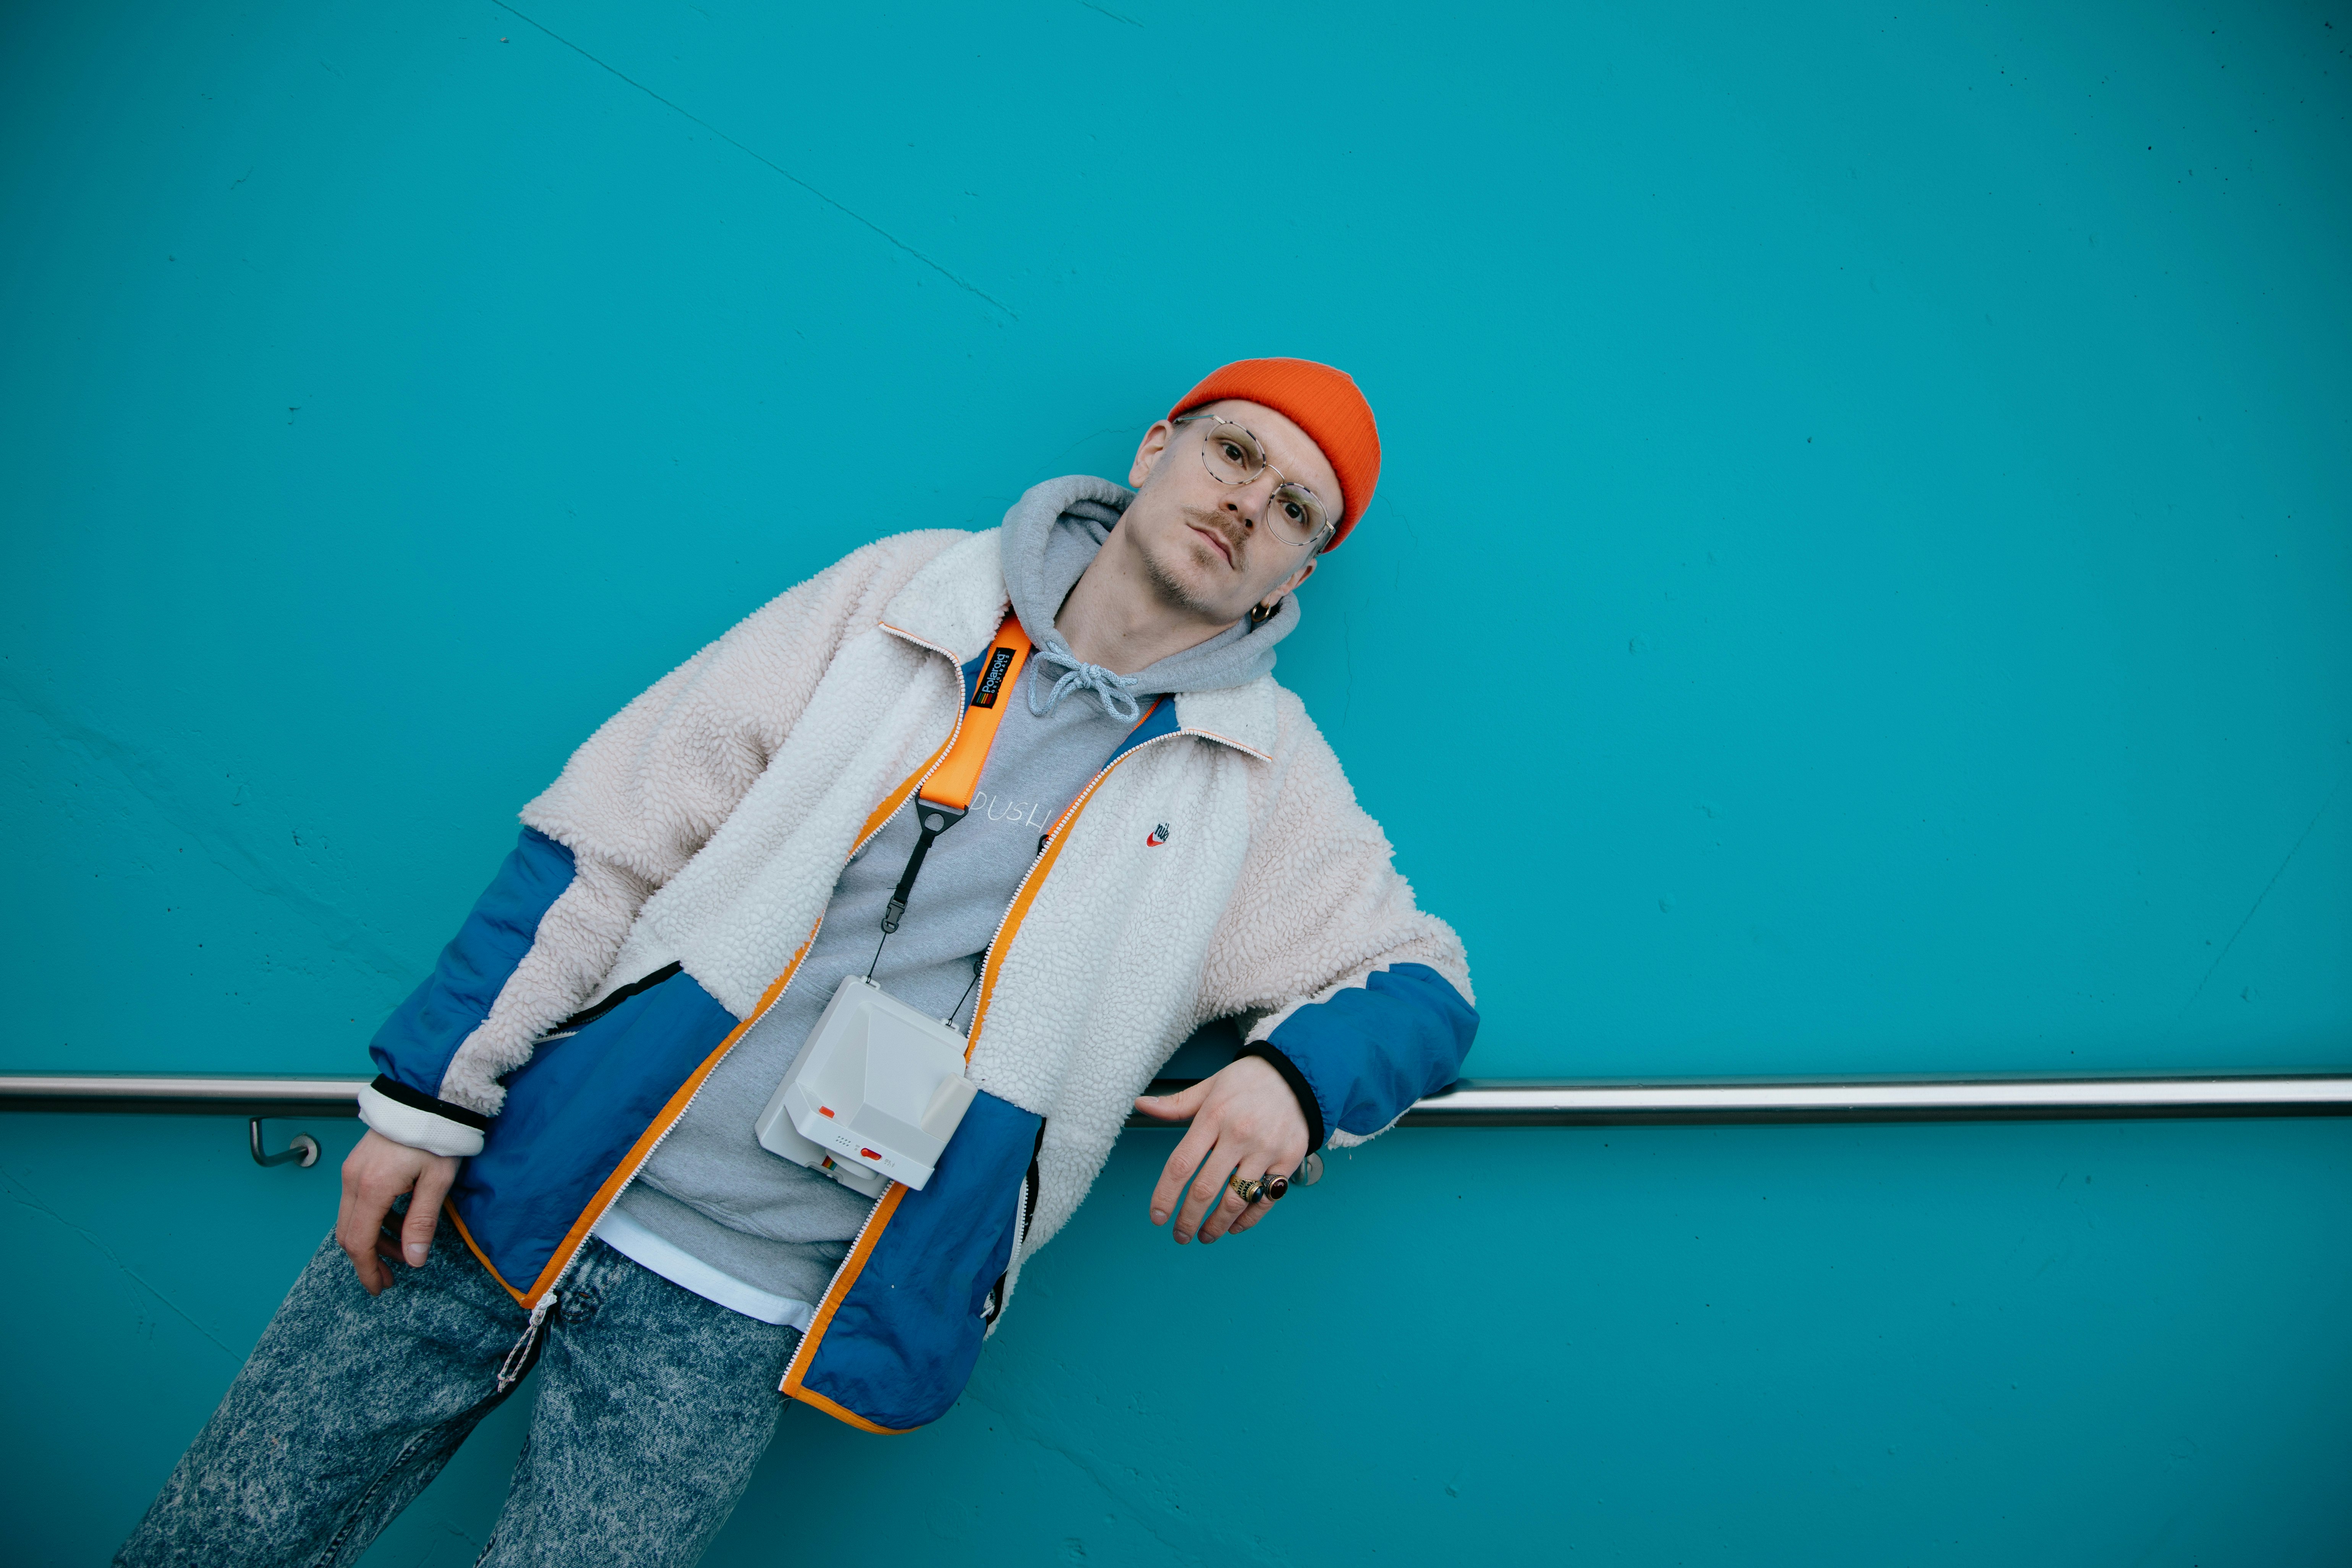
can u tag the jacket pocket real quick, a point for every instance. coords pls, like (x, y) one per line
(579, 1113)
(900, 1333)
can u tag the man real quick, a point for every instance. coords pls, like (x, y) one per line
(1153, 837)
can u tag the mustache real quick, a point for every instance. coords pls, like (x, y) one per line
(1218, 524)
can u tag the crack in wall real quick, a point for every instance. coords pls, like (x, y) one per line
(848, 212)
(470, 1547)
(2265, 893)
(1150, 1512)
(31, 1200)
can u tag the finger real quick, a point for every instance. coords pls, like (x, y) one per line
(1252, 1215)
(1208, 1188)
(355, 1232)
(1231, 1206)
(1186, 1200)
(356, 1237)
(1288, 1163)
(1221, 1219)
(425, 1211)
(387, 1233)
(387, 1244)
(1173, 1107)
(1190, 1150)
(387, 1241)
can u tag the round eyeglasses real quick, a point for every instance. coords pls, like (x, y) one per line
(1296, 515)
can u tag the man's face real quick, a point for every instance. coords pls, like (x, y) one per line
(1205, 543)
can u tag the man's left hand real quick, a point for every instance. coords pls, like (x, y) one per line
(1244, 1119)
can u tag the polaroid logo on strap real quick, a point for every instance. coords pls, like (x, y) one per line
(999, 661)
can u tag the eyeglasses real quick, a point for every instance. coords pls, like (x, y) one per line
(1296, 515)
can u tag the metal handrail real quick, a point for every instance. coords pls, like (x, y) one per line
(222, 1094)
(1553, 1102)
(1473, 1102)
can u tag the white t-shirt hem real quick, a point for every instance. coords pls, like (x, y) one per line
(643, 1247)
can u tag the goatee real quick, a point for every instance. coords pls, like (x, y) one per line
(1171, 591)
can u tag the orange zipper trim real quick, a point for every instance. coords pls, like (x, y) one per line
(623, 1173)
(843, 1412)
(657, 1129)
(1033, 884)
(845, 1277)
(851, 1267)
(479, 1256)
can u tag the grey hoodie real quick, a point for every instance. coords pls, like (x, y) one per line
(710, 1190)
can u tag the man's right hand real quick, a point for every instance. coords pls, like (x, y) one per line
(377, 1171)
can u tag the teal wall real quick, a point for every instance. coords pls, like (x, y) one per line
(1860, 584)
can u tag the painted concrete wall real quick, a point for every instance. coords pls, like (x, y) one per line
(1859, 584)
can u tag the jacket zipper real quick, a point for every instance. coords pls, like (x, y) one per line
(1066, 820)
(1024, 1210)
(868, 1223)
(557, 1283)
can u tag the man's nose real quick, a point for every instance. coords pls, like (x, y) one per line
(1248, 502)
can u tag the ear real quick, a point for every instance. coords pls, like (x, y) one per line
(1291, 583)
(1148, 451)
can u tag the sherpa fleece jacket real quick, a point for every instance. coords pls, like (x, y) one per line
(668, 883)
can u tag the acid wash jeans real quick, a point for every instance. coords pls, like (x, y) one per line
(653, 1405)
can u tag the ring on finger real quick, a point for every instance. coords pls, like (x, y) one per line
(1248, 1191)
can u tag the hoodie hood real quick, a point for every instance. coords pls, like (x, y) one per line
(1051, 536)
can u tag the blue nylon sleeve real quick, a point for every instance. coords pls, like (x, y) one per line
(415, 1044)
(1368, 1053)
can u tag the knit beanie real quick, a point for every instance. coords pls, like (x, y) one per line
(1319, 400)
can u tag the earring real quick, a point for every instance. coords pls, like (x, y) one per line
(1261, 614)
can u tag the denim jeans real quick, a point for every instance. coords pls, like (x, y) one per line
(653, 1405)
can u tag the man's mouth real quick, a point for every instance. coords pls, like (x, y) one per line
(1217, 535)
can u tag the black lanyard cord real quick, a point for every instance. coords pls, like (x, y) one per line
(979, 962)
(932, 819)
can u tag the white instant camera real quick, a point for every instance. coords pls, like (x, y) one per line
(874, 1094)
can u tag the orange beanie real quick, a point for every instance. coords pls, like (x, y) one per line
(1319, 400)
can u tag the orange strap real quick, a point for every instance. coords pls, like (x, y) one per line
(958, 775)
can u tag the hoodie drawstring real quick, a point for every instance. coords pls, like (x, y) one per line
(1114, 689)
(517, 1359)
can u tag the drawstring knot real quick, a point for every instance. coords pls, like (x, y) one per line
(1113, 689)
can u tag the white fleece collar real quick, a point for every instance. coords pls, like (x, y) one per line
(1244, 717)
(955, 603)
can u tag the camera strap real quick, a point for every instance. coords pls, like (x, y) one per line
(945, 794)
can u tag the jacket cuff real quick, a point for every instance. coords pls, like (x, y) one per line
(1272, 1056)
(410, 1116)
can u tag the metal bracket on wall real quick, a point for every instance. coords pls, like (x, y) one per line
(304, 1147)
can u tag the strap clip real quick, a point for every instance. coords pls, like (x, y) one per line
(932, 819)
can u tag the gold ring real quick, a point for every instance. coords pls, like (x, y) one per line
(1249, 1191)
